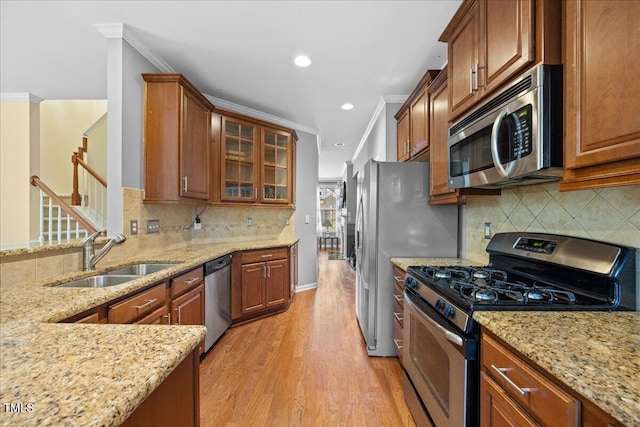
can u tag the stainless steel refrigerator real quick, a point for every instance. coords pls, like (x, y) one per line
(394, 219)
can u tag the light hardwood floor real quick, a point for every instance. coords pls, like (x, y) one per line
(305, 367)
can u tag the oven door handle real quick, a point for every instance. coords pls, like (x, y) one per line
(455, 339)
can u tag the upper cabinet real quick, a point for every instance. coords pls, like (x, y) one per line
(195, 153)
(177, 127)
(413, 121)
(277, 165)
(490, 42)
(257, 161)
(239, 160)
(601, 92)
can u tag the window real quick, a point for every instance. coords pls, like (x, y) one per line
(328, 194)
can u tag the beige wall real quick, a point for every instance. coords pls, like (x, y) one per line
(609, 214)
(62, 124)
(19, 159)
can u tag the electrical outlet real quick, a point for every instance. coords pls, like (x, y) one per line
(196, 224)
(487, 230)
(133, 226)
(287, 222)
(249, 222)
(153, 226)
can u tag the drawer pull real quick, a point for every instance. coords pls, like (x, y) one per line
(398, 298)
(501, 372)
(398, 318)
(190, 281)
(179, 314)
(267, 256)
(146, 304)
(398, 343)
(168, 317)
(397, 279)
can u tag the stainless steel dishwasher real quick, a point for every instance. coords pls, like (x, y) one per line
(217, 298)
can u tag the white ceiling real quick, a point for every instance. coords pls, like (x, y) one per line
(239, 51)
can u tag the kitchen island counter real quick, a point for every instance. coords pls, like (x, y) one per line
(91, 374)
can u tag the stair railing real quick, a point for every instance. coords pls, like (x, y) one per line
(89, 190)
(64, 215)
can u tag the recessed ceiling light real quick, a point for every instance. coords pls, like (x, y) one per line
(339, 144)
(347, 106)
(302, 61)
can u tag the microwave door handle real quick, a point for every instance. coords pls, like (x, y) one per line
(494, 143)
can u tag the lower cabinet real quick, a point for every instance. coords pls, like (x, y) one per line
(515, 392)
(398, 309)
(176, 402)
(260, 283)
(187, 303)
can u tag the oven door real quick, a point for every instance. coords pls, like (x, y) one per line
(441, 363)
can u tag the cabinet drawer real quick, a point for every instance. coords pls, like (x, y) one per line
(186, 281)
(544, 400)
(398, 332)
(138, 305)
(160, 316)
(263, 255)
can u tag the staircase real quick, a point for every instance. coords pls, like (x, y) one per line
(84, 211)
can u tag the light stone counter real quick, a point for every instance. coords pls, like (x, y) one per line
(597, 354)
(82, 374)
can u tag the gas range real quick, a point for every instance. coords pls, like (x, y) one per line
(531, 271)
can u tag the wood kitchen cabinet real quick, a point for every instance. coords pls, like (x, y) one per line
(257, 161)
(413, 121)
(260, 283)
(398, 309)
(176, 401)
(490, 42)
(239, 160)
(176, 126)
(403, 132)
(187, 304)
(601, 91)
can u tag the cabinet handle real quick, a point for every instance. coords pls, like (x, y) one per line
(266, 256)
(398, 298)
(398, 279)
(146, 304)
(178, 310)
(269, 271)
(501, 372)
(478, 67)
(185, 183)
(398, 318)
(471, 88)
(398, 343)
(264, 271)
(168, 317)
(190, 281)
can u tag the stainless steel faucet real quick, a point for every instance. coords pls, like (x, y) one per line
(89, 257)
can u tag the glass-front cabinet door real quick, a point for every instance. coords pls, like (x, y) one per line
(276, 166)
(239, 160)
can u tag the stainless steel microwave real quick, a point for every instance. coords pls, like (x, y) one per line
(514, 138)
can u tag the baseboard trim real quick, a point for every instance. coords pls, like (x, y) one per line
(307, 287)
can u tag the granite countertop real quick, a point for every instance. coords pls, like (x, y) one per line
(84, 374)
(597, 354)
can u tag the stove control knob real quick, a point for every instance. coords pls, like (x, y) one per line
(439, 304)
(449, 311)
(411, 282)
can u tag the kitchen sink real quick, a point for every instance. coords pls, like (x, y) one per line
(100, 281)
(139, 269)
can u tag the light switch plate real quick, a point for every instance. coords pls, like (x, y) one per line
(249, 222)
(487, 230)
(153, 226)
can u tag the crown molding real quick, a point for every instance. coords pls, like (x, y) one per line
(256, 114)
(20, 96)
(395, 99)
(120, 30)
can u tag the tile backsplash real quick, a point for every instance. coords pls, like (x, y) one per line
(219, 224)
(608, 214)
